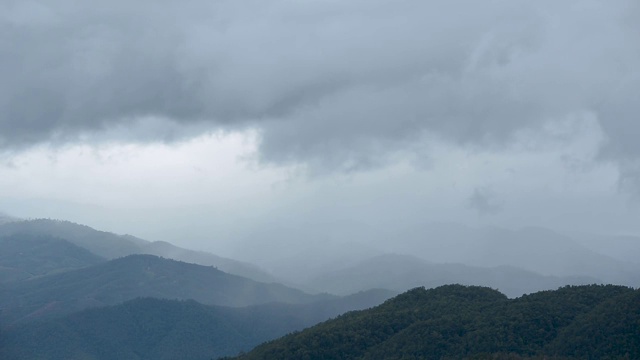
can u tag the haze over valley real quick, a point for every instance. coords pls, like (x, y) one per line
(319, 179)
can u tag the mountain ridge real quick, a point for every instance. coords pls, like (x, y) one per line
(126, 278)
(111, 246)
(402, 272)
(470, 322)
(148, 328)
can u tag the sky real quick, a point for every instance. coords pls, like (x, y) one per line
(205, 123)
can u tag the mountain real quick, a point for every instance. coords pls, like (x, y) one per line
(298, 253)
(534, 249)
(101, 243)
(111, 246)
(27, 256)
(135, 276)
(305, 253)
(167, 250)
(149, 328)
(458, 322)
(621, 247)
(612, 327)
(403, 272)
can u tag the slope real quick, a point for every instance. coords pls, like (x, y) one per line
(101, 243)
(612, 329)
(534, 249)
(621, 247)
(167, 250)
(403, 272)
(111, 246)
(168, 329)
(135, 276)
(456, 322)
(26, 256)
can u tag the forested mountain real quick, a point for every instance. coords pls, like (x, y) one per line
(111, 246)
(457, 322)
(403, 272)
(168, 329)
(27, 256)
(135, 276)
(610, 330)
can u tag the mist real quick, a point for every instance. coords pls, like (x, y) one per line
(315, 136)
(450, 179)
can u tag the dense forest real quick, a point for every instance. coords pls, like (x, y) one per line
(149, 328)
(457, 322)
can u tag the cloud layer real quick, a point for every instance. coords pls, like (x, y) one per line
(336, 85)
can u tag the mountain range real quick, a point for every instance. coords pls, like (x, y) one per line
(70, 291)
(111, 246)
(458, 322)
(532, 248)
(402, 272)
(148, 328)
(308, 252)
(133, 276)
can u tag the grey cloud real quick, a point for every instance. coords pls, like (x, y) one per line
(337, 85)
(485, 201)
(629, 180)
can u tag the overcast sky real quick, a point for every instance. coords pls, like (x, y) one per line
(202, 122)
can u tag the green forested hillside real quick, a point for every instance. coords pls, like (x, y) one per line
(127, 278)
(454, 322)
(27, 256)
(611, 329)
(168, 329)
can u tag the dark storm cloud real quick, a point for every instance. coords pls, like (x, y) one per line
(334, 84)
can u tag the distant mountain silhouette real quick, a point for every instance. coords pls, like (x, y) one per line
(167, 250)
(621, 247)
(535, 249)
(403, 272)
(298, 253)
(111, 246)
(101, 243)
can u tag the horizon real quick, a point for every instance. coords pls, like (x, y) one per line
(208, 124)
